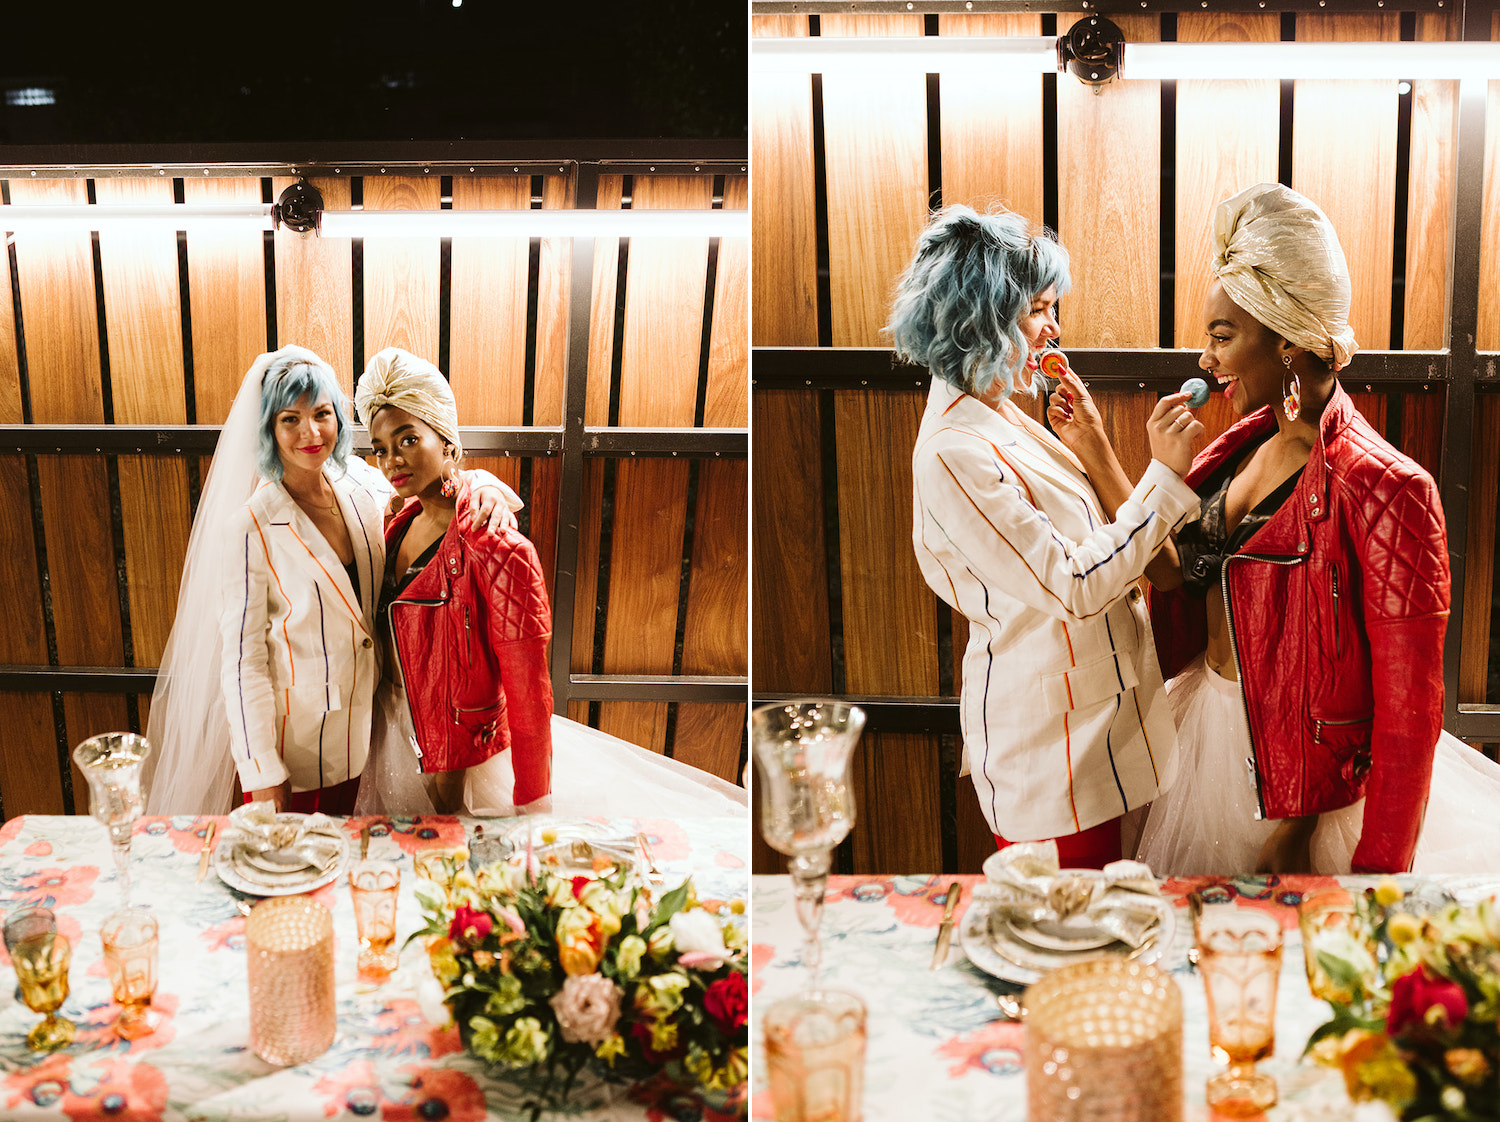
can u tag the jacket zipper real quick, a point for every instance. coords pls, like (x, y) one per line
(1338, 635)
(400, 660)
(1318, 726)
(469, 639)
(1234, 650)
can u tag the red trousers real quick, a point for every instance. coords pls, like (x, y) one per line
(337, 800)
(1092, 849)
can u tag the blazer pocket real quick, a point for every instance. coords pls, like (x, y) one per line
(306, 708)
(1079, 687)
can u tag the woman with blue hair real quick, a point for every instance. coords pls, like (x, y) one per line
(270, 670)
(1064, 718)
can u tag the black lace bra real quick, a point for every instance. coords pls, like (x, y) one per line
(1203, 545)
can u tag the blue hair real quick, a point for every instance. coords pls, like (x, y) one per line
(286, 382)
(958, 302)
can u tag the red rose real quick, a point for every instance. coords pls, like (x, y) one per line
(579, 883)
(469, 926)
(727, 1001)
(1413, 994)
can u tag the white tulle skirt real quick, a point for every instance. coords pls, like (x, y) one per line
(593, 774)
(1205, 824)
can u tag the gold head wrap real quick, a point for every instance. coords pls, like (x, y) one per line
(399, 378)
(1278, 257)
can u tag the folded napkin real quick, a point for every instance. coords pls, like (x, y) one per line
(1024, 880)
(262, 830)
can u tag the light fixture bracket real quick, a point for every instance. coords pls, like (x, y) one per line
(299, 208)
(1092, 50)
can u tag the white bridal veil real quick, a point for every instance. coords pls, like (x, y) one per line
(190, 770)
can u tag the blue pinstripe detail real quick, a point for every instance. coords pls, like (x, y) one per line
(984, 707)
(369, 551)
(1109, 732)
(240, 665)
(323, 637)
(1118, 549)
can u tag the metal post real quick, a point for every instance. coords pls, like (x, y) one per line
(570, 490)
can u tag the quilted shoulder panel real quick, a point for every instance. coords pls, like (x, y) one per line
(512, 582)
(1393, 509)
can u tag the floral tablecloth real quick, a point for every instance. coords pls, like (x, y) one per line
(387, 1061)
(938, 1048)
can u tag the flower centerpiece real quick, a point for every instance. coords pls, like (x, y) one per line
(547, 974)
(1418, 1030)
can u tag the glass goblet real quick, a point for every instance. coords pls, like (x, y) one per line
(41, 956)
(1327, 922)
(111, 762)
(802, 756)
(1239, 956)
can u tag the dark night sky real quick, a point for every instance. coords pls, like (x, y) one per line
(374, 70)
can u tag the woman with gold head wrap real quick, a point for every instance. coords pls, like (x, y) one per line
(463, 715)
(1303, 614)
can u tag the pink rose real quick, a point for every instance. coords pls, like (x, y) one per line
(469, 926)
(1414, 994)
(727, 1001)
(587, 1008)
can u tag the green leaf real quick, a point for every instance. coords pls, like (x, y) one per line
(672, 903)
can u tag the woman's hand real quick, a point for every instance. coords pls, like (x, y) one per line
(1171, 430)
(490, 509)
(277, 796)
(1074, 417)
(1289, 848)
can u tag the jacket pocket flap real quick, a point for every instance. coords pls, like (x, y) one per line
(1079, 687)
(320, 697)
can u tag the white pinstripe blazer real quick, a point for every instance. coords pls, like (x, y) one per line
(299, 657)
(1064, 718)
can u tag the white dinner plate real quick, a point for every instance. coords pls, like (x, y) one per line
(1006, 955)
(246, 871)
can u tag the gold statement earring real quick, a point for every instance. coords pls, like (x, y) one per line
(1291, 403)
(450, 481)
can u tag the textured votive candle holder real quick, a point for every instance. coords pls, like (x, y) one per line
(1104, 1043)
(289, 953)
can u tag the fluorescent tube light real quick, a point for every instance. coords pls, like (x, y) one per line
(241, 216)
(535, 224)
(935, 54)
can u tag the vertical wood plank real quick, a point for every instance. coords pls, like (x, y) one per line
(1429, 209)
(715, 632)
(546, 481)
(487, 346)
(896, 777)
(55, 273)
(726, 397)
(1488, 334)
(644, 575)
(975, 842)
(315, 288)
(1479, 566)
(708, 736)
(143, 310)
(792, 647)
(992, 125)
(664, 309)
(1115, 297)
(86, 715)
(1344, 159)
(553, 270)
(402, 276)
(602, 308)
(10, 365)
(80, 560)
(29, 779)
(1124, 415)
(1371, 405)
(586, 586)
(227, 292)
(1227, 138)
(890, 622)
(875, 138)
(23, 639)
(1422, 429)
(783, 219)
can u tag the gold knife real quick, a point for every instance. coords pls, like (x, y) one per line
(207, 852)
(945, 930)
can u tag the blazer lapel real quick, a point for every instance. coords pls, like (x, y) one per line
(306, 543)
(1058, 465)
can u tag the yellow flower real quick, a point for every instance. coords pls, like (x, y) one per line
(614, 1046)
(663, 1035)
(1387, 892)
(444, 964)
(628, 957)
(737, 906)
(661, 942)
(1404, 928)
(661, 996)
(580, 941)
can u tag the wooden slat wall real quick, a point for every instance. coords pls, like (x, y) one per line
(141, 339)
(881, 635)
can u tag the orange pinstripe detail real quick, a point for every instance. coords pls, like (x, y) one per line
(277, 576)
(1068, 746)
(1147, 495)
(1072, 661)
(950, 408)
(1069, 687)
(1150, 755)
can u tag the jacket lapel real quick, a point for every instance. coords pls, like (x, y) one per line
(303, 541)
(1058, 466)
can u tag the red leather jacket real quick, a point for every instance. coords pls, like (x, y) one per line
(1337, 610)
(470, 633)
